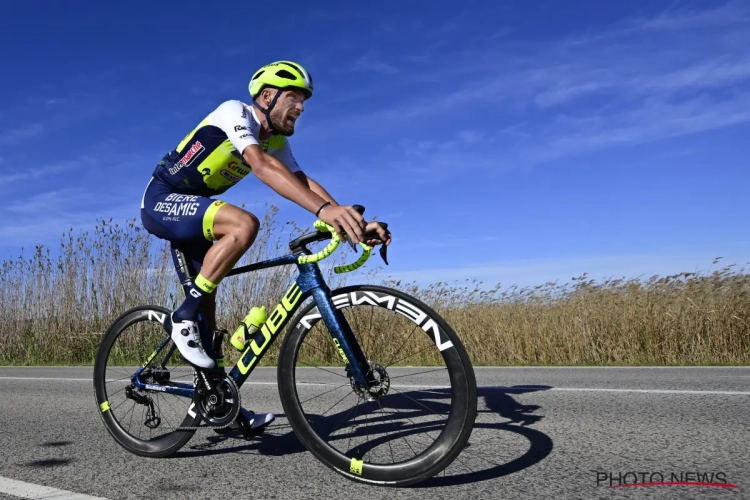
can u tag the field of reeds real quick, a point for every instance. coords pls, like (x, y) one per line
(54, 305)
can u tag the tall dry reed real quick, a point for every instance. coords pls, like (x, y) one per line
(53, 310)
(683, 319)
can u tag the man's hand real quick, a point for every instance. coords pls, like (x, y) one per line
(384, 235)
(344, 219)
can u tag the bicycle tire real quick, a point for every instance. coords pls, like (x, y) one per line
(438, 456)
(153, 448)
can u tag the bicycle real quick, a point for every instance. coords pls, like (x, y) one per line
(214, 397)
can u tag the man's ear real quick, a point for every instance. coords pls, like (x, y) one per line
(267, 94)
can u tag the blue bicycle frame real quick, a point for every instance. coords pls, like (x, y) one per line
(309, 282)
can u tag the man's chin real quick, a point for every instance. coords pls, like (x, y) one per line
(285, 130)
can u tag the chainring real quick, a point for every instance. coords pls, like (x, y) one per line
(220, 407)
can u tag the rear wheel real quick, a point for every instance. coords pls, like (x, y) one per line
(422, 396)
(147, 423)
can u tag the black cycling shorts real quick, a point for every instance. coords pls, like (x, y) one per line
(185, 220)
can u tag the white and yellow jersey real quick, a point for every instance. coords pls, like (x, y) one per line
(209, 161)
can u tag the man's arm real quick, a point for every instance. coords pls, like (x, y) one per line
(315, 187)
(279, 178)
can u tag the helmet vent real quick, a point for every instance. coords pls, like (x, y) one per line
(296, 68)
(285, 74)
(259, 73)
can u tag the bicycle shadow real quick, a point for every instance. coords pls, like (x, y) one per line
(493, 402)
(498, 400)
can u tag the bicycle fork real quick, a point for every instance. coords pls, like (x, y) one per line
(343, 338)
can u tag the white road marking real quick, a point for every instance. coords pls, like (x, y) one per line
(536, 388)
(50, 379)
(645, 391)
(36, 491)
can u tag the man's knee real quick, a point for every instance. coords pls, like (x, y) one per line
(246, 229)
(235, 225)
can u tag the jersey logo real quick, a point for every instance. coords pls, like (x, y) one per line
(230, 177)
(188, 157)
(240, 170)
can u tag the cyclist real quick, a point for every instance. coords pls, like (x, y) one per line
(233, 140)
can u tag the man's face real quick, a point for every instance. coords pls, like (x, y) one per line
(286, 111)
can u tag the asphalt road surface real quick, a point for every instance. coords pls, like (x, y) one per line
(540, 433)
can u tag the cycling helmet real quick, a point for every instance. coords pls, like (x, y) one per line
(281, 75)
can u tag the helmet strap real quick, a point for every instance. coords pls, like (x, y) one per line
(267, 111)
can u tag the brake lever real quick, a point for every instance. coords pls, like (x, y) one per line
(384, 247)
(348, 239)
(384, 253)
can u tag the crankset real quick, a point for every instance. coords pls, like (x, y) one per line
(217, 399)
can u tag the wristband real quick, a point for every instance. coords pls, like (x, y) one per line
(317, 214)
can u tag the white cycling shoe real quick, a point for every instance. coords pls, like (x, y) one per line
(187, 338)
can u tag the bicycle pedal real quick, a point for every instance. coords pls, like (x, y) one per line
(249, 428)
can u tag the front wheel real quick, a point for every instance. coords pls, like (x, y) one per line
(422, 395)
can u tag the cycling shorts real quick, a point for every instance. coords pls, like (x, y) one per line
(186, 221)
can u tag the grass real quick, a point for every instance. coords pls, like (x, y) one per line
(53, 310)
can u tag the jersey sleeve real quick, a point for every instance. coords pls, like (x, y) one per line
(284, 155)
(234, 119)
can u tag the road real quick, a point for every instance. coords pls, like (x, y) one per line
(540, 433)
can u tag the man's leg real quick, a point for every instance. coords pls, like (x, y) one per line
(235, 229)
(202, 221)
(194, 252)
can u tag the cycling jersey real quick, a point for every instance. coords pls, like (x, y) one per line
(209, 160)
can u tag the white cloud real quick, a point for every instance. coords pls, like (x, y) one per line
(368, 64)
(731, 13)
(20, 134)
(42, 218)
(10, 181)
(642, 80)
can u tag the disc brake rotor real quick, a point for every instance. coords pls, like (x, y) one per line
(378, 383)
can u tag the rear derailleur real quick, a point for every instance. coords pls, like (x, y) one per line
(153, 420)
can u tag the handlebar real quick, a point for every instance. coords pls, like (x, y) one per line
(331, 247)
(323, 227)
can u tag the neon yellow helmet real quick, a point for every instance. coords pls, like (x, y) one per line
(281, 75)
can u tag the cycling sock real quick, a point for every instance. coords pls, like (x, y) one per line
(201, 287)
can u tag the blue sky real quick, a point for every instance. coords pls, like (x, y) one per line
(514, 142)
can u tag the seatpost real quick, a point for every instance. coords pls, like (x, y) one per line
(185, 269)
